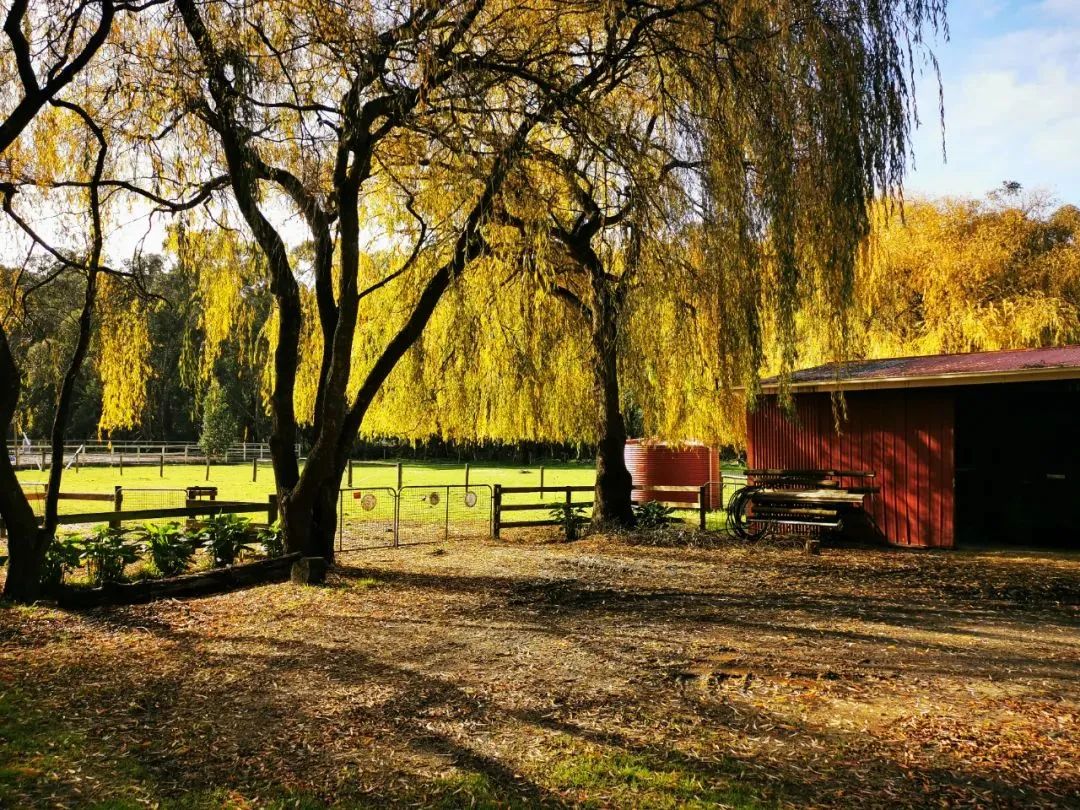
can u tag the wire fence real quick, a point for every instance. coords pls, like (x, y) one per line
(138, 498)
(367, 518)
(429, 514)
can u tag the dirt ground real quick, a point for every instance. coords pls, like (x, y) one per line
(599, 673)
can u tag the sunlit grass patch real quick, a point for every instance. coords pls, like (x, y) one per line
(629, 779)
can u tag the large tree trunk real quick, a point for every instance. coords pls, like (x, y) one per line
(27, 541)
(25, 546)
(612, 501)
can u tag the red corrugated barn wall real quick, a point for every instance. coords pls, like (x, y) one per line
(904, 436)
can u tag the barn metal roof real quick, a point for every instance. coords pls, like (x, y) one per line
(975, 368)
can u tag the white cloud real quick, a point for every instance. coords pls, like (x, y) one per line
(1012, 108)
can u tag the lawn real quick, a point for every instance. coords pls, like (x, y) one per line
(234, 481)
(600, 673)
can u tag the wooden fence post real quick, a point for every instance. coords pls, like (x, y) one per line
(161, 466)
(121, 458)
(541, 483)
(703, 505)
(271, 509)
(118, 505)
(571, 525)
(255, 471)
(496, 510)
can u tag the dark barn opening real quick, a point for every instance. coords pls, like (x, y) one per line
(1018, 464)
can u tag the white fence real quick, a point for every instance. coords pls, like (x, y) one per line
(37, 455)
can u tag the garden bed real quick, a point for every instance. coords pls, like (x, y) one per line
(202, 583)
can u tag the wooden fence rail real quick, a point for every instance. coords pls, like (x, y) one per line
(199, 501)
(500, 507)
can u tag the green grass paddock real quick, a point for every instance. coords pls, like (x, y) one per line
(234, 480)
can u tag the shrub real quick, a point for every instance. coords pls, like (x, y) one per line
(63, 554)
(170, 550)
(652, 515)
(273, 540)
(569, 516)
(106, 554)
(225, 536)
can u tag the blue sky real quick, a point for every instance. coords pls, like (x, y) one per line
(1011, 77)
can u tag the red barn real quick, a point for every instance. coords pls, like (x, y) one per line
(966, 448)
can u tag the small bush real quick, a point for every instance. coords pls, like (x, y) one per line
(170, 551)
(273, 540)
(225, 536)
(63, 554)
(652, 515)
(106, 553)
(568, 516)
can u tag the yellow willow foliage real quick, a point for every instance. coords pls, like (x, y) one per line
(224, 265)
(960, 276)
(493, 364)
(122, 356)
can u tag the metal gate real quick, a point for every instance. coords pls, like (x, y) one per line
(379, 517)
(367, 518)
(429, 514)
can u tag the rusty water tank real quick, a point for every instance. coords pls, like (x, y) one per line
(656, 464)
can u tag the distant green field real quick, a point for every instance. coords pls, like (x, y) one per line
(234, 481)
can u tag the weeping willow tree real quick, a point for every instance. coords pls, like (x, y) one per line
(685, 225)
(961, 275)
(373, 122)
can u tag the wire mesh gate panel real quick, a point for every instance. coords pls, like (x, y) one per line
(367, 518)
(428, 514)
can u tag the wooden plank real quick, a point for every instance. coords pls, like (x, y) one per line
(521, 524)
(532, 507)
(211, 507)
(552, 490)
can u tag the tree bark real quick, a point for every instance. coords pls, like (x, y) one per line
(25, 546)
(612, 505)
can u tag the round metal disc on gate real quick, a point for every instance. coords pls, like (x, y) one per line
(433, 499)
(368, 502)
(470, 499)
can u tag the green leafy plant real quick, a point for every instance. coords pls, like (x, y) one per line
(225, 536)
(273, 539)
(106, 553)
(653, 515)
(63, 554)
(569, 516)
(170, 550)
